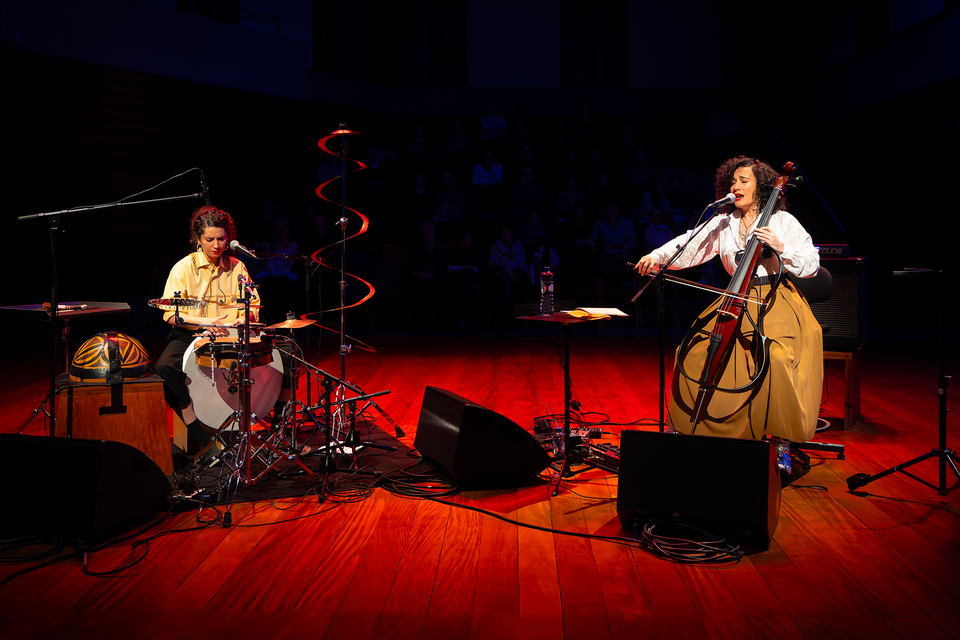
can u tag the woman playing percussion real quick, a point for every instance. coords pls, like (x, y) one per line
(210, 275)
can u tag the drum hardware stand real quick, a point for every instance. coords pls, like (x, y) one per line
(329, 382)
(240, 465)
(942, 453)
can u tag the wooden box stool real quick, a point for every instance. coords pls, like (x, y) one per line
(135, 413)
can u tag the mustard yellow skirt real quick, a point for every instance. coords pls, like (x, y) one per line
(787, 401)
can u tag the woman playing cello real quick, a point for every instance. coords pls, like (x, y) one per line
(784, 403)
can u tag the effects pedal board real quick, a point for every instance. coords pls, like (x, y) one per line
(604, 455)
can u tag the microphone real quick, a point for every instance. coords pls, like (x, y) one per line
(236, 246)
(727, 199)
(204, 188)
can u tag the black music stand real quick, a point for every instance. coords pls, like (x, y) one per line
(946, 456)
(568, 456)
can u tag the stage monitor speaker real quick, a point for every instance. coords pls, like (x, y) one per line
(91, 490)
(726, 486)
(843, 314)
(480, 448)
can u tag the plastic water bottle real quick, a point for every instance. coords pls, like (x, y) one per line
(558, 441)
(546, 292)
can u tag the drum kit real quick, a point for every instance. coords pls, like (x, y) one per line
(234, 374)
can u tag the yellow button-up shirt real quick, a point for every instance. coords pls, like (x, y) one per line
(216, 284)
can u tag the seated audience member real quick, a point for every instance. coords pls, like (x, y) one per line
(449, 202)
(526, 196)
(594, 164)
(279, 274)
(576, 253)
(657, 233)
(601, 192)
(493, 130)
(688, 196)
(519, 138)
(569, 197)
(416, 155)
(487, 194)
(532, 234)
(540, 258)
(639, 176)
(615, 239)
(417, 204)
(586, 126)
(262, 231)
(458, 143)
(330, 167)
(558, 145)
(463, 278)
(457, 149)
(656, 197)
(523, 158)
(429, 268)
(487, 173)
(508, 271)
(374, 182)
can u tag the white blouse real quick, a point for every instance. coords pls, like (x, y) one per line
(720, 236)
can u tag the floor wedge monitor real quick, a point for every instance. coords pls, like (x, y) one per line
(480, 448)
(76, 489)
(726, 486)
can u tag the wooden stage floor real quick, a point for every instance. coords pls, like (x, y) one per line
(881, 565)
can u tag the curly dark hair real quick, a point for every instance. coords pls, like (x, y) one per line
(766, 178)
(209, 216)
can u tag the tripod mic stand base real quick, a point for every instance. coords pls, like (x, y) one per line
(947, 457)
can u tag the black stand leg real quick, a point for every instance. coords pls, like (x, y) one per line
(567, 454)
(942, 453)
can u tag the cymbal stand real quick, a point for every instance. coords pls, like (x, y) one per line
(345, 348)
(42, 407)
(331, 406)
(249, 446)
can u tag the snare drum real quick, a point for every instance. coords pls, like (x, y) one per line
(208, 366)
(221, 352)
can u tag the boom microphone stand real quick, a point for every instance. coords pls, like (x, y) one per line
(53, 218)
(659, 278)
(942, 453)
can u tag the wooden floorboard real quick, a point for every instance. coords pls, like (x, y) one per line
(880, 563)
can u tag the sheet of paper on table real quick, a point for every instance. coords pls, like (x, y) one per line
(596, 313)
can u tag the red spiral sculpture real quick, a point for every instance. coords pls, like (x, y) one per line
(322, 143)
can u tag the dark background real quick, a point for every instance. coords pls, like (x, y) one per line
(823, 90)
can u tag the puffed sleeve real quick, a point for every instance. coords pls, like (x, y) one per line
(704, 247)
(800, 257)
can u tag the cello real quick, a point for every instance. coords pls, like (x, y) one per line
(727, 335)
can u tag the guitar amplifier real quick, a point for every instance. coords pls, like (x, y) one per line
(843, 315)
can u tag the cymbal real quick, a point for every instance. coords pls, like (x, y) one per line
(345, 132)
(238, 306)
(171, 303)
(210, 325)
(295, 323)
